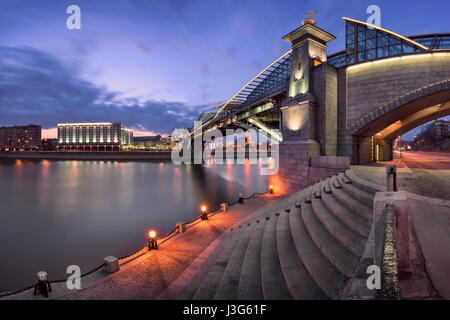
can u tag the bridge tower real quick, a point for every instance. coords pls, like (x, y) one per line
(309, 114)
(302, 116)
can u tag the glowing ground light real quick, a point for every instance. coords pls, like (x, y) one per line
(271, 188)
(152, 234)
(203, 216)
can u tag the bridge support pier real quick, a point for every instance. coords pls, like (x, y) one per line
(309, 116)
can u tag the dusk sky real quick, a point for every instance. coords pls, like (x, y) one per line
(156, 64)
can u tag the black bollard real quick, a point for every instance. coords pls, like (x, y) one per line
(43, 286)
(203, 214)
(152, 242)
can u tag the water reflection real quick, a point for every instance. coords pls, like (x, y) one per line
(57, 213)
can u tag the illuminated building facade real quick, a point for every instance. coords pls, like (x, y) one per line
(94, 136)
(20, 138)
(152, 143)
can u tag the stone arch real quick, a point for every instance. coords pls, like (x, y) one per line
(398, 116)
(441, 89)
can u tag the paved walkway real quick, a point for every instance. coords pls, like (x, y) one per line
(147, 274)
(431, 224)
(429, 229)
(419, 173)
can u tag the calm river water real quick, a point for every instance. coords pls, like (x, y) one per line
(57, 213)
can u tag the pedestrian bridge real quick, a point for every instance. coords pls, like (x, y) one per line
(352, 103)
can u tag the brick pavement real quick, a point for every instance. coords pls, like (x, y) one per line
(148, 275)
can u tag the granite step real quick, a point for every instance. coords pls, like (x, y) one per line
(190, 289)
(343, 178)
(229, 284)
(208, 287)
(250, 278)
(364, 184)
(329, 279)
(351, 203)
(300, 284)
(360, 224)
(335, 183)
(317, 189)
(345, 235)
(326, 186)
(339, 256)
(272, 280)
(356, 192)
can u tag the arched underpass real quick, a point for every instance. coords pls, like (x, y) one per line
(374, 135)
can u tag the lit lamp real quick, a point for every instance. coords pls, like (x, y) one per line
(203, 215)
(241, 198)
(271, 189)
(43, 286)
(152, 242)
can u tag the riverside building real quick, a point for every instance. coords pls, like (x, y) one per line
(19, 138)
(94, 136)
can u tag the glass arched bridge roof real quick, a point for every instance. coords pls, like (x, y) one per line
(363, 42)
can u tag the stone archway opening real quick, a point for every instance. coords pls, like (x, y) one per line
(373, 141)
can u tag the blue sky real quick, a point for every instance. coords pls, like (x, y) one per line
(156, 64)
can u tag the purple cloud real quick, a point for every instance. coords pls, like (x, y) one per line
(37, 87)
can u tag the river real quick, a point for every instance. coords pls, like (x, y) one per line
(59, 213)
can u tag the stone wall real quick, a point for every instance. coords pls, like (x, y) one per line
(369, 85)
(324, 87)
(344, 142)
(298, 170)
(365, 87)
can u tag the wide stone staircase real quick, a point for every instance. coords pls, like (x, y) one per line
(307, 246)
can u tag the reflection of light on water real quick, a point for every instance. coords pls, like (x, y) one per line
(247, 174)
(229, 182)
(19, 168)
(42, 188)
(45, 169)
(266, 163)
(74, 174)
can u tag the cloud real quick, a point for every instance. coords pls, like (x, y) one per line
(142, 48)
(204, 68)
(36, 87)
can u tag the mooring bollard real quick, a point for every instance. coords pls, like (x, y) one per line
(181, 226)
(391, 170)
(241, 199)
(203, 214)
(152, 242)
(111, 264)
(43, 286)
(224, 207)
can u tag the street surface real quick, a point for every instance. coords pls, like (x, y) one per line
(424, 173)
